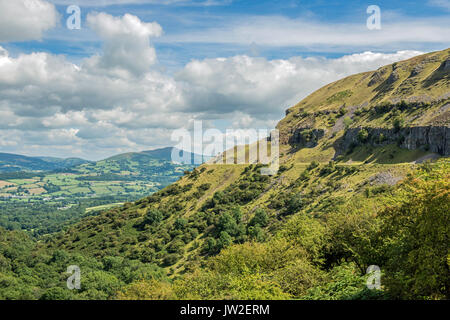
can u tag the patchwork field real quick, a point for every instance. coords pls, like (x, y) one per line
(63, 185)
(46, 201)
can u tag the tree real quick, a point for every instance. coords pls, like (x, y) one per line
(347, 122)
(255, 232)
(224, 240)
(363, 136)
(294, 204)
(99, 285)
(147, 290)
(180, 223)
(227, 224)
(57, 293)
(260, 219)
(399, 122)
(153, 217)
(416, 242)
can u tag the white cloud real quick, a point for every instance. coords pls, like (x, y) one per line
(261, 87)
(117, 102)
(126, 42)
(105, 3)
(22, 20)
(281, 31)
(445, 4)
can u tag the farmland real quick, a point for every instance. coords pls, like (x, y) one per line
(42, 202)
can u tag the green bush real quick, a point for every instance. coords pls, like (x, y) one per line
(363, 136)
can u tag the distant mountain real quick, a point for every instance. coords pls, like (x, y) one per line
(14, 162)
(163, 153)
(160, 154)
(153, 165)
(64, 163)
(61, 191)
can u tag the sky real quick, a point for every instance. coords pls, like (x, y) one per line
(136, 71)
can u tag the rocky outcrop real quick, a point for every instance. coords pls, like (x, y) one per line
(306, 137)
(377, 77)
(447, 65)
(431, 138)
(393, 77)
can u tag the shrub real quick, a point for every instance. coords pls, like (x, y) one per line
(147, 290)
(415, 236)
(153, 217)
(398, 123)
(180, 223)
(205, 186)
(260, 219)
(294, 204)
(170, 259)
(347, 122)
(363, 136)
(313, 165)
(342, 111)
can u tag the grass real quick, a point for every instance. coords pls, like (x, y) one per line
(389, 154)
(68, 186)
(104, 207)
(354, 91)
(340, 96)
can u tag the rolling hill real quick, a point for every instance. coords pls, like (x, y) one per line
(54, 177)
(41, 201)
(13, 162)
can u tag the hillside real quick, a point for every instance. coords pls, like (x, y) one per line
(406, 103)
(13, 162)
(350, 193)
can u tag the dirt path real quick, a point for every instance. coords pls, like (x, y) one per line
(431, 156)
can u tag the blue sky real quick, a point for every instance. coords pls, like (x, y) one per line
(178, 18)
(138, 70)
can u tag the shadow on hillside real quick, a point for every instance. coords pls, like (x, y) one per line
(388, 154)
(441, 73)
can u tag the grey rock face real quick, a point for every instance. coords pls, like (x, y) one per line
(392, 77)
(306, 137)
(377, 77)
(433, 138)
(447, 65)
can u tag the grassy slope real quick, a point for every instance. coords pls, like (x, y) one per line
(418, 79)
(116, 232)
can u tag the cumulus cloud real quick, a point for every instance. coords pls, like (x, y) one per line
(22, 20)
(117, 102)
(261, 87)
(126, 43)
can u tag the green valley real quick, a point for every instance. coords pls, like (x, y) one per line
(28, 198)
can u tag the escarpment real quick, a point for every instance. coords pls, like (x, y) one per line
(428, 138)
(404, 104)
